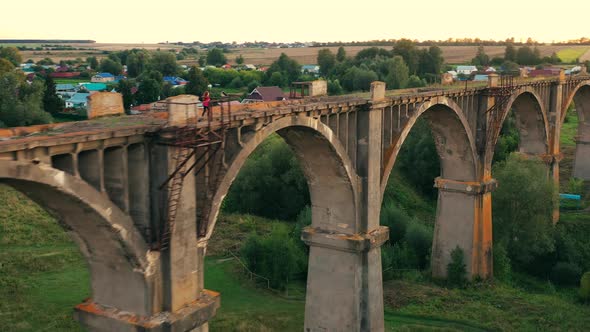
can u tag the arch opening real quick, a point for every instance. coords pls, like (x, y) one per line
(575, 142)
(450, 155)
(331, 188)
(117, 257)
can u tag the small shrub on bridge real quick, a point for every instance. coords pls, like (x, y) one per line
(585, 287)
(456, 269)
(564, 273)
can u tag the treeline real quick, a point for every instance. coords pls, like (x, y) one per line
(404, 66)
(24, 103)
(447, 42)
(46, 41)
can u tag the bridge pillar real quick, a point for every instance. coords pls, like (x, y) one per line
(555, 112)
(337, 284)
(582, 156)
(463, 220)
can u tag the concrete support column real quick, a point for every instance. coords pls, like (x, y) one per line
(463, 220)
(582, 156)
(138, 188)
(182, 260)
(338, 279)
(555, 111)
(115, 176)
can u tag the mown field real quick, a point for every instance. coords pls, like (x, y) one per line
(306, 55)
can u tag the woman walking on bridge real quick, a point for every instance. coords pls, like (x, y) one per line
(206, 101)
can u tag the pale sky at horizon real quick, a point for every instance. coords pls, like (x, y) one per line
(133, 21)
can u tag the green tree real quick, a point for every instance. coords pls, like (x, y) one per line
(271, 183)
(289, 69)
(6, 66)
(92, 62)
(407, 50)
(240, 59)
(149, 91)
(456, 270)
(164, 62)
(341, 54)
(136, 63)
(510, 53)
(326, 60)
(215, 57)
(110, 66)
(197, 83)
(11, 54)
(124, 87)
(398, 73)
(527, 56)
(276, 79)
(21, 104)
(52, 103)
(523, 209)
(481, 58)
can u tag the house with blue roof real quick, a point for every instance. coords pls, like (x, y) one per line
(78, 100)
(102, 78)
(90, 87)
(173, 80)
(310, 69)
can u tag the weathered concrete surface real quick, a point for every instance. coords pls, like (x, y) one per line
(105, 103)
(190, 317)
(182, 110)
(96, 176)
(124, 273)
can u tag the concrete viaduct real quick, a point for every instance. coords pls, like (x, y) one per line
(103, 179)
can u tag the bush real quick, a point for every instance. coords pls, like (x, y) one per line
(585, 287)
(419, 239)
(575, 186)
(275, 256)
(396, 219)
(456, 270)
(564, 273)
(502, 269)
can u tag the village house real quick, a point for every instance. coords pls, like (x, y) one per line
(311, 69)
(264, 94)
(466, 70)
(102, 78)
(78, 100)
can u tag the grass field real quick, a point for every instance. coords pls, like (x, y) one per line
(570, 55)
(73, 81)
(42, 276)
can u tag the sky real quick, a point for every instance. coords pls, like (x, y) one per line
(152, 21)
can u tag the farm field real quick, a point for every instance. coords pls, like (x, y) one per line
(305, 55)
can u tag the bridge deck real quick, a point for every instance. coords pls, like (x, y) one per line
(13, 139)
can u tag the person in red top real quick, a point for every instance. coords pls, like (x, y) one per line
(206, 101)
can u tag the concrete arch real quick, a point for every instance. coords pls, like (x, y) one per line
(581, 96)
(532, 122)
(330, 176)
(447, 122)
(457, 207)
(123, 270)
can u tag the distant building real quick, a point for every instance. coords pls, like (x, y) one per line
(264, 94)
(466, 70)
(102, 78)
(480, 78)
(311, 69)
(78, 100)
(249, 67)
(175, 80)
(65, 91)
(90, 87)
